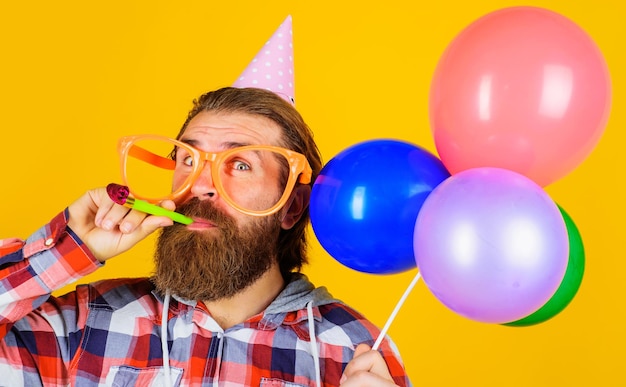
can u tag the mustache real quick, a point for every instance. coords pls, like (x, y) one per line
(204, 209)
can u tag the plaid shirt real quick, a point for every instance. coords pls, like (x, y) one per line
(108, 333)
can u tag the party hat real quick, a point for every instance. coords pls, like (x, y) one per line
(272, 67)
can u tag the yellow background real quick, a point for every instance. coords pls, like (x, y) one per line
(75, 76)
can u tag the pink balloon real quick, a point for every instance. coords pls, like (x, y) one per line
(491, 245)
(522, 88)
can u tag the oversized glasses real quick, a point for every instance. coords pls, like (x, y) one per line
(156, 168)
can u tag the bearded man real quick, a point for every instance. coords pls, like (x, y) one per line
(227, 304)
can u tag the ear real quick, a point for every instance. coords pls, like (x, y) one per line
(296, 205)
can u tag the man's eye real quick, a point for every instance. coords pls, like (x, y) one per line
(188, 161)
(240, 166)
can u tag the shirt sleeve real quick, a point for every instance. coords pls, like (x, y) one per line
(32, 269)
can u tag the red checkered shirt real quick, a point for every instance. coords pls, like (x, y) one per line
(108, 333)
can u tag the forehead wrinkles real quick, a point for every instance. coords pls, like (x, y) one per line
(233, 128)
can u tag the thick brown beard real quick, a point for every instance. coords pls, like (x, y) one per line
(202, 266)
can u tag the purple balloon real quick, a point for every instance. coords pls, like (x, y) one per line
(491, 245)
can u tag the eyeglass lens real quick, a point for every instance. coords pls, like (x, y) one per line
(252, 178)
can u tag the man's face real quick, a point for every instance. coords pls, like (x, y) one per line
(210, 132)
(224, 251)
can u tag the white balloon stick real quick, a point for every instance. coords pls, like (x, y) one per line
(382, 334)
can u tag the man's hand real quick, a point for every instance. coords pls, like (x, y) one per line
(108, 229)
(367, 368)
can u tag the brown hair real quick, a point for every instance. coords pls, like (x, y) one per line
(297, 136)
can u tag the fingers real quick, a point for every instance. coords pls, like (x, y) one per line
(111, 215)
(107, 228)
(366, 379)
(367, 368)
(118, 216)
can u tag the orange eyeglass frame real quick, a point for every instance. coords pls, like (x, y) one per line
(299, 168)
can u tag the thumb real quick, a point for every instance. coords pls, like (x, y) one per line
(361, 349)
(366, 365)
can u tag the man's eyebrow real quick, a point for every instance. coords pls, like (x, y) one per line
(189, 141)
(232, 144)
(224, 145)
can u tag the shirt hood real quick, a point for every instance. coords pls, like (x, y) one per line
(297, 294)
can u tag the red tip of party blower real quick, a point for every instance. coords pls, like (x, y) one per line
(118, 193)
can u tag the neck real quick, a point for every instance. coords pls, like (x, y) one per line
(249, 302)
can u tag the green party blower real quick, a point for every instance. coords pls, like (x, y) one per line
(120, 194)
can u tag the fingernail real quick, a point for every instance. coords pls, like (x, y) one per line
(343, 379)
(107, 225)
(125, 227)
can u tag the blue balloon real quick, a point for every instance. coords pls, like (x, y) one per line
(365, 202)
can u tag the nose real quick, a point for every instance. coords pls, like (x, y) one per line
(203, 187)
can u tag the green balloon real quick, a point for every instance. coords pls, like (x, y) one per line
(570, 283)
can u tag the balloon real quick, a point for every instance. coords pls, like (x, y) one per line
(491, 245)
(523, 89)
(570, 283)
(365, 202)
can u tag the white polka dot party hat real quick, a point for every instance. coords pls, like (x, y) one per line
(272, 67)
